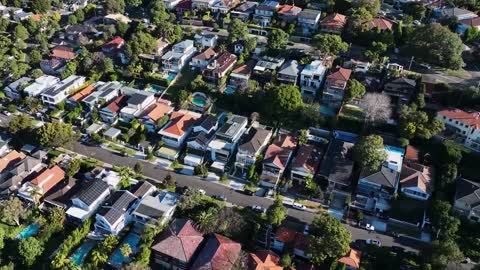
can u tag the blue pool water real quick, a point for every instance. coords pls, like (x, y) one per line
(154, 89)
(199, 101)
(81, 253)
(393, 149)
(171, 76)
(29, 231)
(117, 258)
(326, 111)
(229, 90)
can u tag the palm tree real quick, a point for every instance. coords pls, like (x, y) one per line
(34, 105)
(35, 193)
(222, 48)
(205, 221)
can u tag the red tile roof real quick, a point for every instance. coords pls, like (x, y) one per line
(289, 10)
(308, 157)
(208, 54)
(180, 240)
(10, 159)
(83, 93)
(285, 235)
(334, 20)
(381, 23)
(118, 41)
(352, 258)
(219, 253)
(158, 110)
(63, 52)
(36, 17)
(49, 178)
(245, 68)
(469, 119)
(472, 22)
(341, 74)
(180, 123)
(117, 104)
(264, 260)
(417, 175)
(279, 151)
(411, 154)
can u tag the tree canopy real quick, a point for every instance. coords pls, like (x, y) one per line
(114, 6)
(277, 39)
(277, 212)
(330, 44)
(29, 249)
(55, 134)
(369, 152)
(416, 123)
(283, 100)
(237, 30)
(355, 89)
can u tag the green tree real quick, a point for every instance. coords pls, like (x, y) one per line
(442, 253)
(70, 69)
(330, 44)
(20, 32)
(277, 39)
(41, 6)
(372, 6)
(471, 34)
(72, 19)
(303, 137)
(443, 223)
(125, 174)
(436, 44)
(355, 89)
(329, 239)
(250, 44)
(80, 15)
(20, 122)
(29, 250)
(141, 43)
(276, 213)
(11, 211)
(376, 51)
(415, 123)
(369, 152)
(114, 6)
(169, 180)
(36, 73)
(74, 167)
(416, 10)
(126, 250)
(162, 121)
(159, 12)
(35, 57)
(55, 134)
(237, 30)
(201, 170)
(138, 167)
(134, 3)
(286, 260)
(283, 100)
(448, 175)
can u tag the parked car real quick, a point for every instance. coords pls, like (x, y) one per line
(201, 191)
(248, 192)
(220, 198)
(366, 226)
(258, 209)
(299, 206)
(7, 113)
(373, 242)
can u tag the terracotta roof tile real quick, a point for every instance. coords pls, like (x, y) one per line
(334, 19)
(352, 258)
(279, 151)
(470, 119)
(117, 104)
(180, 123)
(83, 93)
(417, 175)
(158, 110)
(10, 159)
(49, 178)
(208, 54)
(285, 235)
(264, 260)
(472, 22)
(308, 157)
(341, 74)
(381, 23)
(411, 154)
(219, 253)
(64, 52)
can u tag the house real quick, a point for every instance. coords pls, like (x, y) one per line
(254, 143)
(287, 237)
(110, 113)
(288, 72)
(105, 93)
(337, 166)
(416, 181)
(142, 189)
(244, 11)
(18, 168)
(60, 91)
(137, 102)
(94, 128)
(306, 162)
(224, 6)
(177, 245)
(379, 23)
(157, 52)
(464, 24)
(197, 142)
(335, 85)
(351, 260)
(112, 133)
(41, 184)
(88, 200)
(115, 213)
(467, 199)
(206, 40)
(264, 260)
(289, 13)
(464, 124)
(265, 68)
(178, 128)
(241, 74)
(219, 67)
(76, 98)
(218, 253)
(264, 12)
(178, 57)
(8, 162)
(153, 208)
(203, 59)
(225, 141)
(53, 66)
(412, 155)
(454, 12)
(15, 89)
(113, 45)
(64, 53)
(333, 23)
(40, 84)
(202, 4)
(309, 20)
(400, 90)
(276, 159)
(311, 78)
(154, 113)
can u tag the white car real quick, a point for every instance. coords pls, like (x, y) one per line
(373, 242)
(370, 227)
(201, 191)
(7, 113)
(299, 206)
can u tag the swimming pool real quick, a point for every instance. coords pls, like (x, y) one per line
(81, 253)
(229, 90)
(171, 76)
(117, 259)
(394, 149)
(199, 101)
(29, 231)
(326, 111)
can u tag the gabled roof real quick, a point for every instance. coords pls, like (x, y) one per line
(290, 68)
(117, 205)
(334, 19)
(141, 188)
(467, 192)
(158, 110)
(404, 81)
(352, 258)
(207, 54)
(289, 10)
(10, 159)
(310, 14)
(472, 22)
(219, 253)
(257, 140)
(179, 241)
(417, 175)
(384, 176)
(411, 154)
(83, 93)
(117, 104)
(92, 192)
(341, 74)
(279, 151)
(337, 165)
(245, 68)
(469, 119)
(285, 235)
(115, 42)
(381, 23)
(264, 260)
(48, 178)
(64, 52)
(308, 158)
(180, 123)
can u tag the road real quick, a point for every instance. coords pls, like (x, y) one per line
(156, 173)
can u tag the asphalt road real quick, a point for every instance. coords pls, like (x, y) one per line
(156, 173)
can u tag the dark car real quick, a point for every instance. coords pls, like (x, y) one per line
(248, 192)
(220, 198)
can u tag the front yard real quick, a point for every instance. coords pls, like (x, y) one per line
(407, 209)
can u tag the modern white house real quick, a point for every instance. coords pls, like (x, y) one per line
(309, 19)
(115, 214)
(60, 91)
(311, 78)
(158, 207)
(179, 56)
(199, 139)
(87, 201)
(205, 40)
(104, 94)
(14, 90)
(462, 123)
(203, 59)
(137, 102)
(40, 84)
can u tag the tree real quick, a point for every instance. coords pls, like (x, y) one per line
(416, 10)
(34, 57)
(29, 249)
(74, 167)
(162, 121)
(276, 213)
(72, 19)
(20, 32)
(12, 211)
(376, 51)
(80, 15)
(442, 253)
(141, 43)
(237, 30)
(448, 175)
(328, 238)
(201, 170)
(286, 260)
(169, 180)
(125, 173)
(70, 69)
(250, 44)
(41, 6)
(133, 3)
(138, 167)
(303, 137)
(415, 123)
(471, 34)
(159, 12)
(330, 44)
(377, 108)
(436, 44)
(445, 225)
(55, 134)
(126, 250)
(283, 100)
(277, 39)
(19, 123)
(369, 152)
(355, 89)
(372, 6)
(114, 6)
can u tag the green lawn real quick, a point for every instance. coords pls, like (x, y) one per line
(353, 112)
(119, 148)
(182, 82)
